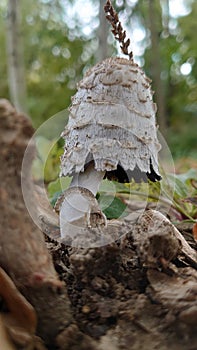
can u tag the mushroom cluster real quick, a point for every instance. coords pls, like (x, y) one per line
(111, 133)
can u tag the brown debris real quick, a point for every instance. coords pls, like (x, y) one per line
(155, 239)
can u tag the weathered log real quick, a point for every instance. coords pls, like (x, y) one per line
(24, 255)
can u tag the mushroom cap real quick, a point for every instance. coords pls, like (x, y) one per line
(112, 121)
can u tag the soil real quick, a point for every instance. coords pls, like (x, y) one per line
(133, 294)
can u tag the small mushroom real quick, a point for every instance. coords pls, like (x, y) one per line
(111, 133)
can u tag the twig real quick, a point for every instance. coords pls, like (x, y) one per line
(118, 31)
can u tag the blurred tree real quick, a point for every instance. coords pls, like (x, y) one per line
(62, 38)
(179, 75)
(15, 57)
(176, 45)
(155, 27)
(103, 33)
(55, 54)
(3, 54)
(182, 94)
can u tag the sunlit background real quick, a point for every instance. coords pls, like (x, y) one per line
(60, 39)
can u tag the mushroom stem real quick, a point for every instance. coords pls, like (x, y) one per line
(79, 207)
(90, 179)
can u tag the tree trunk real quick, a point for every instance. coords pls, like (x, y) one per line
(15, 57)
(103, 30)
(156, 68)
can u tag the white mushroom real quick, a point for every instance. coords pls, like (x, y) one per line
(77, 206)
(111, 132)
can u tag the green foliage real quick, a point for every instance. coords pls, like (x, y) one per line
(184, 191)
(56, 52)
(177, 45)
(52, 60)
(176, 192)
(55, 188)
(112, 206)
(54, 57)
(47, 162)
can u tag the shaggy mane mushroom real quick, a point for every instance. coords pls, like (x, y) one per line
(111, 133)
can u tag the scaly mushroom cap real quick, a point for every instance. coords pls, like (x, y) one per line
(112, 121)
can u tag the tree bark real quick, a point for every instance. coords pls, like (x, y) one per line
(15, 56)
(103, 31)
(156, 68)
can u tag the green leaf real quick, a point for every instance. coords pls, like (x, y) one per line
(55, 188)
(54, 198)
(112, 206)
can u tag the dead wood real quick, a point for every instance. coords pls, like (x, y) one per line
(24, 255)
(137, 293)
